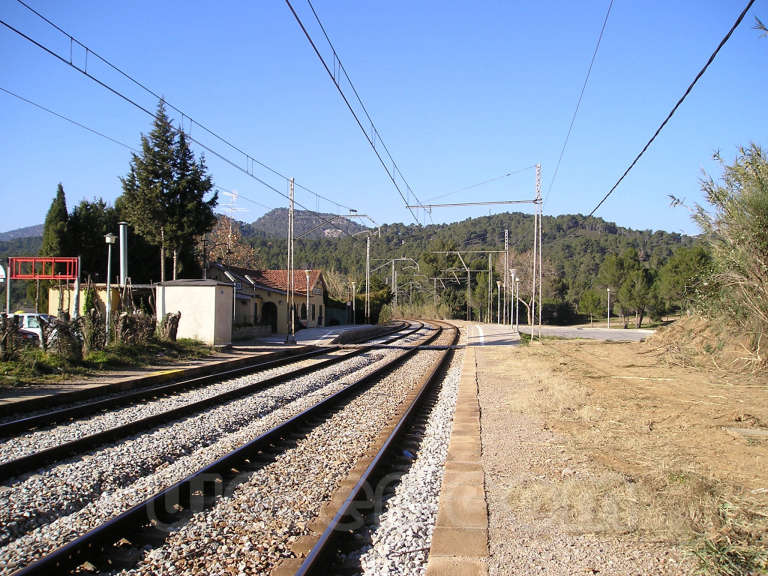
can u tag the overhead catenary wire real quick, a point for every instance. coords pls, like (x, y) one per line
(578, 103)
(371, 139)
(484, 182)
(75, 122)
(134, 103)
(110, 138)
(677, 105)
(183, 114)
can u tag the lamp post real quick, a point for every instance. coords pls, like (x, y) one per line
(307, 273)
(498, 301)
(517, 305)
(353, 302)
(109, 239)
(609, 308)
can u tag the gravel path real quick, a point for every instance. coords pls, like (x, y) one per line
(401, 540)
(250, 531)
(519, 451)
(69, 499)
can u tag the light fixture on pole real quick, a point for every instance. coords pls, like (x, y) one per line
(517, 305)
(109, 239)
(307, 271)
(353, 302)
(609, 308)
(498, 301)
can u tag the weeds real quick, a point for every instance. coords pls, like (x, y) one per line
(34, 365)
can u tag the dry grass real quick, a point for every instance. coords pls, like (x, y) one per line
(649, 458)
(695, 341)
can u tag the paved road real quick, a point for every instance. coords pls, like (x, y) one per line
(492, 335)
(500, 335)
(613, 334)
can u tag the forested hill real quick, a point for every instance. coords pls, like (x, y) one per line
(574, 247)
(309, 224)
(28, 232)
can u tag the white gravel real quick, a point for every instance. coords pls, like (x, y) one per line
(32, 442)
(74, 497)
(401, 540)
(251, 530)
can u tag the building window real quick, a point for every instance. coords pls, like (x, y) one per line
(313, 311)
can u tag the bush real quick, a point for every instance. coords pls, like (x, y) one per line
(737, 231)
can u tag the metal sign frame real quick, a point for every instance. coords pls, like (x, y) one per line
(43, 268)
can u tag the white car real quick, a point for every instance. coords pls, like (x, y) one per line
(32, 322)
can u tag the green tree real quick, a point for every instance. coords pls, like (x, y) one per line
(55, 229)
(737, 232)
(55, 243)
(590, 304)
(681, 273)
(88, 224)
(164, 192)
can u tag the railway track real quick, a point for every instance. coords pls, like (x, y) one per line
(339, 542)
(84, 443)
(200, 490)
(49, 410)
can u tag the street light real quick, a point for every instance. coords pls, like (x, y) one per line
(517, 305)
(307, 273)
(498, 301)
(609, 308)
(109, 239)
(353, 302)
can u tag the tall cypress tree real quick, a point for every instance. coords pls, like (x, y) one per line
(56, 242)
(55, 229)
(164, 191)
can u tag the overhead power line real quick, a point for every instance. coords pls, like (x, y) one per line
(76, 123)
(374, 136)
(680, 101)
(192, 121)
(578, 103)
(107, 137)
(505, 175)
(116, 92)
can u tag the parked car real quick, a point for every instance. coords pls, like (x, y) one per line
(28, 338)
(31, 322)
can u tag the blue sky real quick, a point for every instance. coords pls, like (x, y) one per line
(461, 93)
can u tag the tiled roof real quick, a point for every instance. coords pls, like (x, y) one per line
(276, 279)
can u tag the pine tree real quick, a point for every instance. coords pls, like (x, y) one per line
(55, 230)
(56, 242)
(164, 192)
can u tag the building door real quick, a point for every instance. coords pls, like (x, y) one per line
(269, 315)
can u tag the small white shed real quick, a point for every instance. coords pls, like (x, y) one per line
(205, 305)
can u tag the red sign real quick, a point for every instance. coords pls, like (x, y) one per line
(43, 268)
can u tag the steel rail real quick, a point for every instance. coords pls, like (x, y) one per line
(47, 419)
(175, 500)
(317, 558)
(31, 462)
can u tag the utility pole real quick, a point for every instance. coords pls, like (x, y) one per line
(506, 267)
(488, 313)
(353, 302)
(289, 292)
(368, 279)
(540, 204)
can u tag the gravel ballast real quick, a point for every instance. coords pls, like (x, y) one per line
(73, 497)
(251, 530)
(401, 540)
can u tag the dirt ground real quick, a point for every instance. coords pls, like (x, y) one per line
(604, 458)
